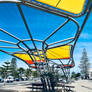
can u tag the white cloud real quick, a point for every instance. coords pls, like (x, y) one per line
(85, 36)
(81, 45)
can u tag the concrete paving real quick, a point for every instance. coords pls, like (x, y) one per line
(82, 86)
(21, 86)
(25, 86)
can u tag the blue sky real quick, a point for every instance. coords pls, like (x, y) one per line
(41, 24)
(85, 41)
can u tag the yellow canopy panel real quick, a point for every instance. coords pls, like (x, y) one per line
(27, 58)
(73, 6)
(62, 52)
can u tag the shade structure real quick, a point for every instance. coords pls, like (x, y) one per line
(27, 59)
(73, 6)
(62, 52)
(29, 50)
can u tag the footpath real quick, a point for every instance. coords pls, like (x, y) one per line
(82, 86)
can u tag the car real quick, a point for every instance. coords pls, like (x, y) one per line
(24, 78)
(1, 80)
(17, 79)
(9, 79)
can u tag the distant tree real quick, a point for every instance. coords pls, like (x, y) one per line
(21, 71)
(13, 66)
(78, 74)
(5, 69)
(13, 63)
(84, 64)
(35, 74)
(73, 75)
(28, 72)
(7, 65)
(3, 72)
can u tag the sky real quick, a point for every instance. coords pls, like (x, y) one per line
(42, 24)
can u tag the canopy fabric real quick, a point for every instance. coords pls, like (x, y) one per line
(62, 52)
(73, 6)
(27, 58)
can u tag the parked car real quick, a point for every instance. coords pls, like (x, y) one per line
(24, 78)
(9, 79)
(17, 79)
(1, 80)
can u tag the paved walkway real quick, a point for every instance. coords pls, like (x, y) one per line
(82, 86)
(16, 88)
(24, 86)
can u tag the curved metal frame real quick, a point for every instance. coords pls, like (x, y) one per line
(44, 42)
(38, 5)
(45, 45)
